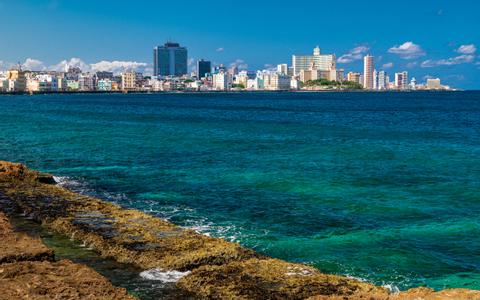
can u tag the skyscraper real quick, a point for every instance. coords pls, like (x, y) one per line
(203, 67)
(382, 80)
(170, 60)
(323, 62)
(401, 80)
(368, 68)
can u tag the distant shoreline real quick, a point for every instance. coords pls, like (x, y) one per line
(228, 92)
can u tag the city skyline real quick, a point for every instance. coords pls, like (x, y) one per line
(429, 43)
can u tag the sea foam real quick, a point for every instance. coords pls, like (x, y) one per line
(163, 276)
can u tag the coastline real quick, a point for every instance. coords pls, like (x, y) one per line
(226, 92)
(211, 267)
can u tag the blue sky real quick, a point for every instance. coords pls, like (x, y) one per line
(422, 37)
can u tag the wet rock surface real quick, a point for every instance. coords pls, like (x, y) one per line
(17, 247)
(216, 269)
(28, 271)
(55, 280)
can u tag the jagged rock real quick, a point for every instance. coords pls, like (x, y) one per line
(270, 279)
(15, 247)
(55, 280)
(429, 294)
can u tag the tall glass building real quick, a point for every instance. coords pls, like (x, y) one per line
(203, 67)
(170, 60)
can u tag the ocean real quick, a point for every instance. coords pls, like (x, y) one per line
(378, 186)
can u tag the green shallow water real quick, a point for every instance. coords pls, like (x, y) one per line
(379, 186)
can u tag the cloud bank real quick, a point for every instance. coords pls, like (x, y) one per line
(356, 53)
(407, 50)
(115, 66)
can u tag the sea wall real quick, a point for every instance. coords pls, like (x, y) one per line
(213, 268)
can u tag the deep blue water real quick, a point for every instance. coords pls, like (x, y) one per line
(381, 186)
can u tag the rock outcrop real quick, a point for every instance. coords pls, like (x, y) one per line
(17, 247)
(28, 271)
(217, 269)
(55, 280)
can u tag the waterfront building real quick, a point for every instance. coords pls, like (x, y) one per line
(337, 75)
(173, 84)
(401, 80)
(222, 81)
(282, 69)
(104, 75)
(61, 82)
(274, 81)
(434, 84)
(375, 80)
(105, 85)
(368, 68)
(73, 85)
(42, 83)
(294, 83)
(242, 78)
(129, 80)
(233, 71)
(382, 80)
(170, 60)
(3, 82)
(325, 62)
(17, 81)
(204, 67)
(255, 83)
(413, 84)
(72, 73)
(86, 82)
(354, 77)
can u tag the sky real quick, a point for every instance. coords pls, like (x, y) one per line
(427, 38)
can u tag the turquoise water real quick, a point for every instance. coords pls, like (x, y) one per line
(379, 186)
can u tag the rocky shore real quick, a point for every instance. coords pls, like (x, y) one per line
(212, 268)
(28, 270)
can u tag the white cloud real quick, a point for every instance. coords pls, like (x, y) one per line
(387, 65)
(240, 64)
(407, 50)
(220, 49)
(356, 53)
(33, 65)
(462, 59)
(73, 62)
(118, 66)
(467, 49)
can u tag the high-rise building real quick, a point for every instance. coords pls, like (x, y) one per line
(170, 60)
(325, 62)
(203, 67)
(222, 81)
(368, 68)
(382, 83)
(401, 80)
